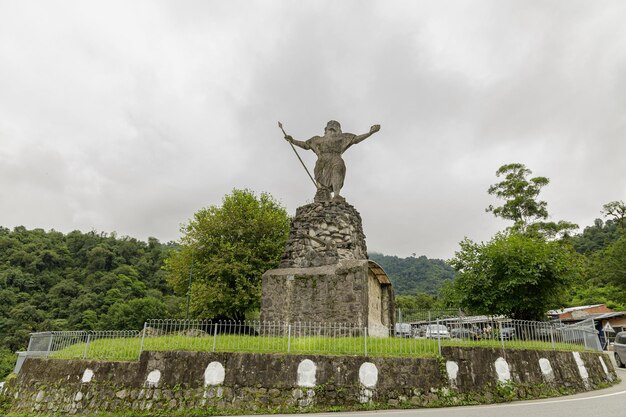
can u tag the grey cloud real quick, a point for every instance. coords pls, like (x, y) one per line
(131, 117)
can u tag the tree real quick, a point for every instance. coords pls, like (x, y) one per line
(521, 272)
(617, 210)
(521, 204)
(518, 275)
(610, 263)
(133, 314)
(225, 250)
(419, 301)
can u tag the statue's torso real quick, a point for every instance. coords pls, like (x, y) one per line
(333, 145)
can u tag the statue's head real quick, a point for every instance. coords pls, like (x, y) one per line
(333, 126)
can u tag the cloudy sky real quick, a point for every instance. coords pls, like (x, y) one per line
(130, 116)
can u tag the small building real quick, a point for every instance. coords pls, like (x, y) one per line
(579, 313)
(615, 320)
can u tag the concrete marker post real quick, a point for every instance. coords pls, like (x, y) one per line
(214, 336)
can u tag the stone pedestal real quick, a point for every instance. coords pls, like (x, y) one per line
(357, 292)
(325, 276)
(322, 233)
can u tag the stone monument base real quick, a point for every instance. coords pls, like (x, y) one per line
(356, 292)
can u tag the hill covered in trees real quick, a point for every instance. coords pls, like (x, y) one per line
(602, 278)
(414, 275)
(77, 281)
(95, 281)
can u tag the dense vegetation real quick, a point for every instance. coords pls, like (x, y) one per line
(603, 261)
(93, 281)
(228, 248)
(532, 265)
(77, 281)
(415, 275)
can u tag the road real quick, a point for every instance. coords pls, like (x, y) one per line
(610, 402)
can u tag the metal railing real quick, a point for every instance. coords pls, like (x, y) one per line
(105, 344)
(418, 338)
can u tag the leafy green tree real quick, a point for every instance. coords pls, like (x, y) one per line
(520, 272)
(594, 291)
(225, 249)
(617, 210)
(610, 263)
(521, 204)
(7, 362)
(419, 301)
(134, 313)
(514, 274)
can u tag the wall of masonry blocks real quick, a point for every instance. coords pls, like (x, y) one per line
(271, 382)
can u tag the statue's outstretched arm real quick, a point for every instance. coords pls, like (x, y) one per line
(361, 138)
(298, 143)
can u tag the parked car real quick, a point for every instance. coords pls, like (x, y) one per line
(507, 333)
(619, 349)
(437, 331)
(545, 334)
(403, 330)
(463, 333)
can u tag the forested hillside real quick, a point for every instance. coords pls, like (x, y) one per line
(411, 276)
(78, 281)
(597, 237)
(92, 281)
(603, 257)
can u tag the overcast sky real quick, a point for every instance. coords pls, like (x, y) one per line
(130, 116)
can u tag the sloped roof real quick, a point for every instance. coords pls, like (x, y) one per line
(570, 309)
(611, 315)
(378, 272)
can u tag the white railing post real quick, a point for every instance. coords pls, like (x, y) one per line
(214, 336)
(289, 338)
(30, 342)
(552, 337)
(365, 339)
(86, 346)
(143, 337)
(49, 344)
(501, 334)
(438, 337)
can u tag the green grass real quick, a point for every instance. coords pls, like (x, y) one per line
(127, 349)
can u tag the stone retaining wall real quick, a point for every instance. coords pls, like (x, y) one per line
(271, 382)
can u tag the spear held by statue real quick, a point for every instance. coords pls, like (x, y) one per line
(298, 155)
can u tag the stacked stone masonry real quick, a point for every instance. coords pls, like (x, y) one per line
(346, 292)
(322, 233)
(261, 382)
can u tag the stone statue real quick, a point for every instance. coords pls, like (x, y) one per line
(330, 169)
